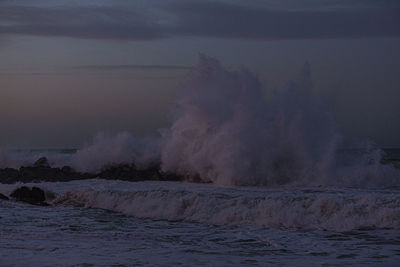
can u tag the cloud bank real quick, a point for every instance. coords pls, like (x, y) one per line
(222, 19)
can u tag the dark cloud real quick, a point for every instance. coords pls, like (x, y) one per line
(238, 21)
(93, 22)
(220, 19)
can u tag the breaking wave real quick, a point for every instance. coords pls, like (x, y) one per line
(301, 209)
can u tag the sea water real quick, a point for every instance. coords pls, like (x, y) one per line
(116, 223)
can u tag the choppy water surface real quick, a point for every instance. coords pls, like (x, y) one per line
(66, 234)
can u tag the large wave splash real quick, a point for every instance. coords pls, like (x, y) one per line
(225, 131)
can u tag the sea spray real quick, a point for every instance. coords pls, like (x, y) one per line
(122, 148)
(227, 133)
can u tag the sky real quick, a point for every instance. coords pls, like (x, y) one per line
(69, 69)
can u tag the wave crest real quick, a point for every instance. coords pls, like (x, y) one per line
(303, 209)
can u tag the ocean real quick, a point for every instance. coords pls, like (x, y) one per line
(115, 223)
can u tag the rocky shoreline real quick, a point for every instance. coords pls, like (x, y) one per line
(41, 171)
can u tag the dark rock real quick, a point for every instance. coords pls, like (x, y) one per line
(36, 174)
(8, 175)
(34, 196)
(129, 172)
(170, 176)
(42, 162)
(125, 172)
(3, 197)
(67, 169)
(41, 171)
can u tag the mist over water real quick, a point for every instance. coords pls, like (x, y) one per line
(224, 131)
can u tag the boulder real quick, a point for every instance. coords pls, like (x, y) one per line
(34, 196)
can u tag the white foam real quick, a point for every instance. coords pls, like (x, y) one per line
(331, 209)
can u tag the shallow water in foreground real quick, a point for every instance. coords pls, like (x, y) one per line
(69, 235)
